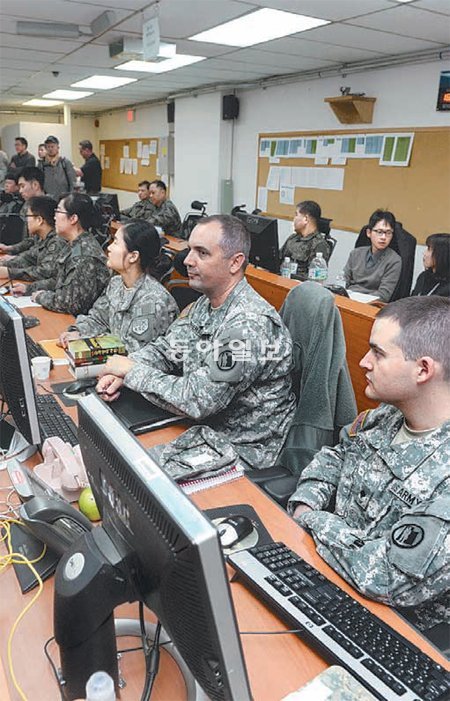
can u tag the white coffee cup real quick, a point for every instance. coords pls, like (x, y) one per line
(41, 367)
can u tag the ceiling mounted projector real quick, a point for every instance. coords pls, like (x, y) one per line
(128, 48)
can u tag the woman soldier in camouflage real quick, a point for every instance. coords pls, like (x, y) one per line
(134, 305)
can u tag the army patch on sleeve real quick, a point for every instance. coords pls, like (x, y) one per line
(408, 535)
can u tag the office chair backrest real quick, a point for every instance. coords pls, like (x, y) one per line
(191, 219)
(404, 244)
(11, 229)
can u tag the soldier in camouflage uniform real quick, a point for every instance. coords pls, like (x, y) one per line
(134, 306)
(39, 262)
(81, 273)
(226, 361)
(143, 208)
(303, 245)
(390, 474)
(164, 214)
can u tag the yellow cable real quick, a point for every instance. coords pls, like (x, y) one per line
(18, 558)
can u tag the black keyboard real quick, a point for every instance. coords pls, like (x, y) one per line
(341, 629)
(53, 421)
(34, 348)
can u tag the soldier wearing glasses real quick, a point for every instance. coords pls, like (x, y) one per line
(375, 269)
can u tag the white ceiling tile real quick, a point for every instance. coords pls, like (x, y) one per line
(276, 60)
(408, 21)
(54, 11)
(362, 38)
(312, 49)
(442, 6)
(326, 9)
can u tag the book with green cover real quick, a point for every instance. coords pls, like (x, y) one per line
(95, 349)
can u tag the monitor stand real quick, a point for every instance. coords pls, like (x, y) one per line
(13, 444)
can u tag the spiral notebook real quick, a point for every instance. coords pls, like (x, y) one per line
(201, 483)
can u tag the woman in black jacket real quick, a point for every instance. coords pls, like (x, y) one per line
(435, 279)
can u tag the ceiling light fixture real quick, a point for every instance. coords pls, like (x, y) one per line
(67, 95)
(171, 64)
(257, 27)
(36, 102)
(102, 82)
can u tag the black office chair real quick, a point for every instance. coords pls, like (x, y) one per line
(12, 228)
(404, 244)
(315, 324)
(324, 227)
(191, 219)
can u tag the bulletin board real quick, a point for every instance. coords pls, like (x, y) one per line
(418, 194)
(111, 153)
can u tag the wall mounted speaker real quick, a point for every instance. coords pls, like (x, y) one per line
(171, 112)
(230, 107)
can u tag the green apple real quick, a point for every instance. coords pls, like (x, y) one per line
(87, 505)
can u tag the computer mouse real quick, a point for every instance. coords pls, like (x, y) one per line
(234, 529)
(80, 386)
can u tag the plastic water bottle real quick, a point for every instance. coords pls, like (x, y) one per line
(285, 269)
(100, 687)
(318, 269)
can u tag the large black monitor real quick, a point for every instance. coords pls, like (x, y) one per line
(264, 250)
(154, 546)
(108, 201)
(16, 382)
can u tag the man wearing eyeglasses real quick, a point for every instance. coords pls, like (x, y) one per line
(375, 269)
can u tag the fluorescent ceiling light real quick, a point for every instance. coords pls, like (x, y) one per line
(102, 82)
(67, 94)
(42, 103)
(170, 64)
(259, 26)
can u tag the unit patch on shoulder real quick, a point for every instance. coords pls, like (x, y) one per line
(408, 535)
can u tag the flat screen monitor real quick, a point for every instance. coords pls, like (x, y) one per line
(16, 382)
(154, 546)
(109, 200)
(264, 249)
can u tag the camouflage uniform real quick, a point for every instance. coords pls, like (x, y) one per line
(142, 209)
(303, 249)
(167, 217)
(138, 314)
(228, 368)
(387, 533)
(39, 262)
(81, 277)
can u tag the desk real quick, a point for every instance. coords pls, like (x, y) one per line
(276, 664)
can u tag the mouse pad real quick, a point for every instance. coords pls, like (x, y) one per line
(59, 387)
(259, 536)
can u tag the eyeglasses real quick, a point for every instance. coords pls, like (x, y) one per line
(383, 232)
(60, 211)
(32, 215)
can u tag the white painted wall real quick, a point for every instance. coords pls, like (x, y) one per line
(36, 133)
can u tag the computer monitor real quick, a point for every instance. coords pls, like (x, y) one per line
(264, 250)
(16, 382)
(108, 200)
(154, 546)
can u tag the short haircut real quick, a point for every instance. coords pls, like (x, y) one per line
(30, 173)
(81, 204)
(41, 146)
(13, 175)
(159, 183)
(440, 250)
(235, 237)
(144, 183)
(311, 208)
(424, 327)
(86, 144)
(45, 207)
(22, 140)
(380, 215)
